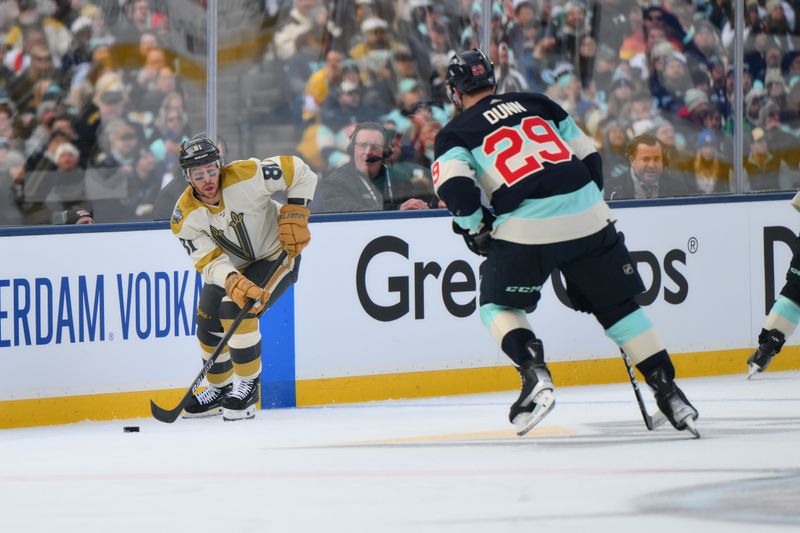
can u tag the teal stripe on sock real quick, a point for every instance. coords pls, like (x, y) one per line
(629, 327)
(787, 309)
(489, 311)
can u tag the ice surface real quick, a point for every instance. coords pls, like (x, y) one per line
(448, 464)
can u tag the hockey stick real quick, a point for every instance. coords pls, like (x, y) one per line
(169, 416)
(652, 422)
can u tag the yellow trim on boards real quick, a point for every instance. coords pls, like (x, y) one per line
(493, 379)
(123, 405)
(68, 409)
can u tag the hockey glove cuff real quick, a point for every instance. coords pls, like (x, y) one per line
(240, 289)
(480, 240)
(293, 228)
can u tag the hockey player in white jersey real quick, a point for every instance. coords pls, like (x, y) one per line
(233, 230)
(544, 179)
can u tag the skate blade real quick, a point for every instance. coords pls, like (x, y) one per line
(545, 401)
(229, 415)
(753, 369)
(691, 427)
(207, 414)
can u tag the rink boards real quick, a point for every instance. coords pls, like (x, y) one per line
(95, 323)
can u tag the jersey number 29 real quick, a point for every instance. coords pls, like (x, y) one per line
(535, 129)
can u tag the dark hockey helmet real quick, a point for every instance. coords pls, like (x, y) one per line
(469, 72)
(199, 150)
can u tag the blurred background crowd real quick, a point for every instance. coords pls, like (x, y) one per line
(96, 96)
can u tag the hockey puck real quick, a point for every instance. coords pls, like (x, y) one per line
(131, 429)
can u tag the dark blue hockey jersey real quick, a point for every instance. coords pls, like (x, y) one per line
(541, 173)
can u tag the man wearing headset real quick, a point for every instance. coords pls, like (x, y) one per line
(544, 179)
(233, 231)
(365, 182)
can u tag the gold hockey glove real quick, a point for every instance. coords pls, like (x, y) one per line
(293, 228)
(239, 289)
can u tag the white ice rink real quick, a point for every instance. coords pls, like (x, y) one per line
(438, 465)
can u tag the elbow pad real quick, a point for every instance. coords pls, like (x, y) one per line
(594, 163)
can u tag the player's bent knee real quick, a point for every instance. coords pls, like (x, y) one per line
(791, 290)
(502, 318)
(637, 337)
(610, 316)
(207, 338)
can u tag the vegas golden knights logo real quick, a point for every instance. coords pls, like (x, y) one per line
(244, 248)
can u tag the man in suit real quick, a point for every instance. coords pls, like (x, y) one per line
(648, 177)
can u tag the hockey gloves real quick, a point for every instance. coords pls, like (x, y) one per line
(293, 228)
(479, 241)
(239, 289)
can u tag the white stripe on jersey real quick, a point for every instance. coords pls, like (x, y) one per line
(452, 168)
(557, 229)
(582, 146)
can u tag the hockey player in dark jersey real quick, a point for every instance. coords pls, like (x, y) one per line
(783, 317)
(544, 180)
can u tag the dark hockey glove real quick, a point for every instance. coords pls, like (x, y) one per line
(478, 242)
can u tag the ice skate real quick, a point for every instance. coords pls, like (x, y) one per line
(240, 403)
(769, 344)
(536, 397)
(672, 402)
(207, 402)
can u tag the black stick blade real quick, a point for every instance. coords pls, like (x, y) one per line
(162, 415)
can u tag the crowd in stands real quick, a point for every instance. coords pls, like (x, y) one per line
(93, 109)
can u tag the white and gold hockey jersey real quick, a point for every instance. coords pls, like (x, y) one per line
(243, 228)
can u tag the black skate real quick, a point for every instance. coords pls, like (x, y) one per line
(536, 397)
(240, 403)
(672, 402)
(769, 344)
(207, 402)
